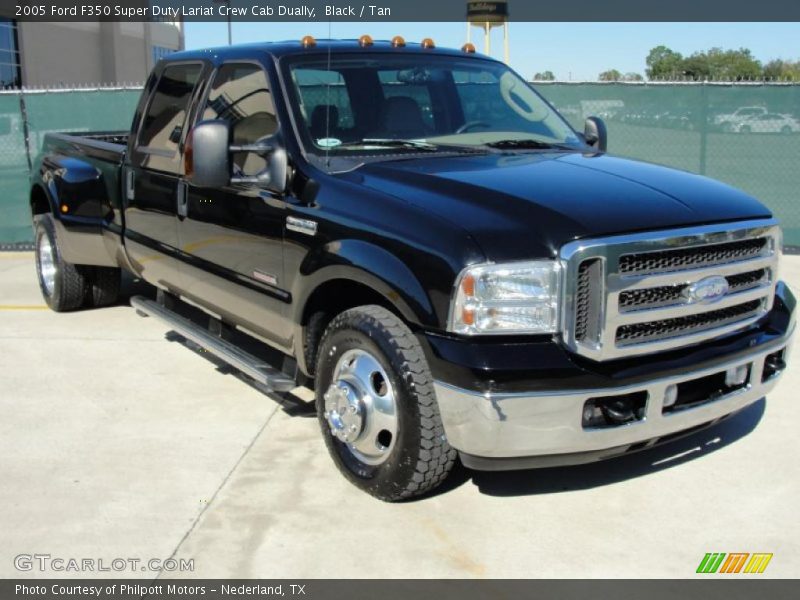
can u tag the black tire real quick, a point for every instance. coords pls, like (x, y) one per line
(68, 287)
(420, 458)
(104, 283)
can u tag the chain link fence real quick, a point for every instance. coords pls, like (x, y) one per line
(25, 118)
(747, 135)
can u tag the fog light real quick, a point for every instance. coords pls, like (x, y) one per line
(670, 395)
(592, 415)
(613, 411)
(736, 376)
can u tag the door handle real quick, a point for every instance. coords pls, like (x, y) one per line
(130, 190)
(183, 200)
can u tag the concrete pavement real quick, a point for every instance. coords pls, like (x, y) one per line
(118, 443)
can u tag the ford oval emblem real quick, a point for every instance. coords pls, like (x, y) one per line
(708, 290)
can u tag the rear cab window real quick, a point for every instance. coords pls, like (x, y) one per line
(162, 128)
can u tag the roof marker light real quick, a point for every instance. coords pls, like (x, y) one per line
(365, 40)
(469, 48)
(308, 41)
(427, 44)
(398, 42)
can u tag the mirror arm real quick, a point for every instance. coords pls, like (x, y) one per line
(260, 149)
(263, 178)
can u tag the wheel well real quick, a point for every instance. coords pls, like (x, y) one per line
(327, 301)
(39, 203)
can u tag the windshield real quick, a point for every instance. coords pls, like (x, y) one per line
(365, 104)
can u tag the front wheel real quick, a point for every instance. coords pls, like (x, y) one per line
(377, 408)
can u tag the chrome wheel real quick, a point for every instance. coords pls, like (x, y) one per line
(47, 264)
(360, 407)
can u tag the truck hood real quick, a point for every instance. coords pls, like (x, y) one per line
(528, 205)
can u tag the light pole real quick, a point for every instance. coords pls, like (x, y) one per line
(227, 3)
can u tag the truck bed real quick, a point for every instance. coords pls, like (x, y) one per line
(107, 146)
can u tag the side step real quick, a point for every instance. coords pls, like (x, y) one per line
(233, 355)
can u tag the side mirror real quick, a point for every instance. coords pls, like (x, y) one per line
(595, 133)
(207, 160)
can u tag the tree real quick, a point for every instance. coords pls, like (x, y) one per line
(632, 77)
(733, 65)
(610, 75)
(696, 67)
(544, 76)
(663, 63)
(782, 70)
(716, 63)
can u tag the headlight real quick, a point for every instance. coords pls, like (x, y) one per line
(519, 297)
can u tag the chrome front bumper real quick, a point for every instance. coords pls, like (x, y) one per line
(544, 424)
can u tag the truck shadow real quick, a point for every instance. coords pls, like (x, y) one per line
(292, 405)
(646, 462)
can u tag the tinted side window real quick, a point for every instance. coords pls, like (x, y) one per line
(163, 123)
(240, 95)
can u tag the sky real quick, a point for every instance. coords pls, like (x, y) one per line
(573, 51)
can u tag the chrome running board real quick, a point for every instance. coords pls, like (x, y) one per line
(245, 362)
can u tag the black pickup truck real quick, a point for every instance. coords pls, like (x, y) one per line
(425, 242)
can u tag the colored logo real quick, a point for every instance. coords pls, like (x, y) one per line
(708, 290)
(734, 562)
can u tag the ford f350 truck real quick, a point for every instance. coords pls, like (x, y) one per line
(425, 242)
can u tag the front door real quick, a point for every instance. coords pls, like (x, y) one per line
(231, 237)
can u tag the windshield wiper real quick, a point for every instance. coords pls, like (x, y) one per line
(526, 144)
(391, 143)
(413, 145)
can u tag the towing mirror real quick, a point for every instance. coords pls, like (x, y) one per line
(595, 133)
(207, 161)
(273, 177)
(208, 158)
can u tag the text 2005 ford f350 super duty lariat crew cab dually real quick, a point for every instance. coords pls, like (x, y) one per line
(425, 242)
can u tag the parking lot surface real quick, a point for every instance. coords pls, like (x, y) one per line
(120, 442)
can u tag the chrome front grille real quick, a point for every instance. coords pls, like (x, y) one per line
(590, 274)
(691, 258)
(669, 295)
(666, 328)
(638, 294)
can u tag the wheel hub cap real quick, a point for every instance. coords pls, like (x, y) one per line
(344, 412)
(360, 407)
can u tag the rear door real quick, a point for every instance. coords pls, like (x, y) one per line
(153, 174)
(232, 237)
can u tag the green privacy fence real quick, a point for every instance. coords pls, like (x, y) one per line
(747, 135)
(35, 113)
